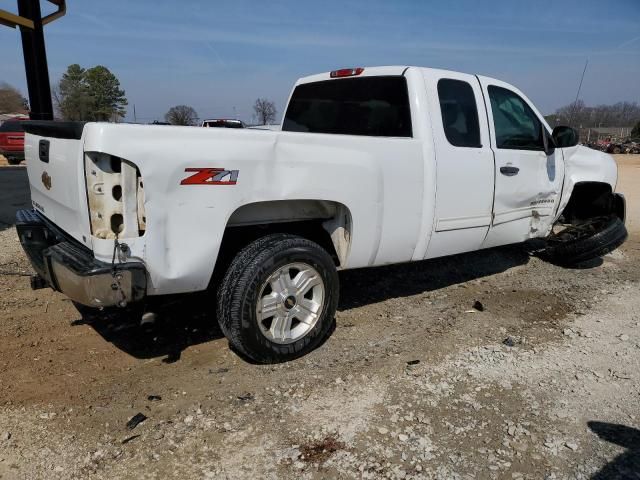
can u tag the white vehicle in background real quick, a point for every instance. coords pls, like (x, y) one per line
(223, 123)
(371, 166)
(275, 127)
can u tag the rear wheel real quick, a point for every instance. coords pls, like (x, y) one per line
(278, 298)
(584, 241)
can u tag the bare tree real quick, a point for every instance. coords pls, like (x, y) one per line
(181, 115)
(265, 111)
(11, 100)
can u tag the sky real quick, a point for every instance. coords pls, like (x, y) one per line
(219, 56)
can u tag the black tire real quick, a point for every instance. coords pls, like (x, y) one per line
(609, 235)
(13, 161)
(239, 292)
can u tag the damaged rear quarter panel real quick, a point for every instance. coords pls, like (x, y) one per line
(185, 223)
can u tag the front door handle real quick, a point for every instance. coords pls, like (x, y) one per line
(509, 171)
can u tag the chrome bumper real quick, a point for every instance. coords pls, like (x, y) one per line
(70, 268)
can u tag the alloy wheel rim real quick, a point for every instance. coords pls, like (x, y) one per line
(290, 303)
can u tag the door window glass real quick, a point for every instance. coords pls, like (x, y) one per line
(459, 113)
(515, 124)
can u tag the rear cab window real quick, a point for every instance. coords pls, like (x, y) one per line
(459, 113)
(368, 106)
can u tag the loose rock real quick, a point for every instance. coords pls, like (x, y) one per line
(137, 419)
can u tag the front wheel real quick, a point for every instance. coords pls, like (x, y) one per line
(13, 161)
(278, 298)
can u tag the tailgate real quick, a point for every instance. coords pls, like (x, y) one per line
(55, 165)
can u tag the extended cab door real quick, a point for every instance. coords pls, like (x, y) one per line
(464, 162)
(528, 181)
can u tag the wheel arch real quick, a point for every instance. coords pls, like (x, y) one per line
(328, 223)
(592, 198)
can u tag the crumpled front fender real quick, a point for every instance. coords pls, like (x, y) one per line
(584, 164)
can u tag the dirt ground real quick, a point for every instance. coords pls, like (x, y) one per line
(413, 383)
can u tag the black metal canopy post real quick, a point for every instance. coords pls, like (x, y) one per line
(35, 61)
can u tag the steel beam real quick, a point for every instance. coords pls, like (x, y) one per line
(35, 61)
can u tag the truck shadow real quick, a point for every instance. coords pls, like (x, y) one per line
(190, 320)
(180, 323)
(372, 285)
(627, 464)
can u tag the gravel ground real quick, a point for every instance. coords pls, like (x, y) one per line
(3, 161)
(544, 382)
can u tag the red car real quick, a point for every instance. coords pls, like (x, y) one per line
(12, 141)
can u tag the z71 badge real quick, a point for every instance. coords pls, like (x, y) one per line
(211, 176)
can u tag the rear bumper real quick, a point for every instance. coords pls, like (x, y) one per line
(70, 268)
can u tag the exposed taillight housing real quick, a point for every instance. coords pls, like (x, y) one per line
(115, 195)
(346, 72)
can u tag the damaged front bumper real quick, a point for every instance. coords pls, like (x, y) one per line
(619, 206)
(68, 267)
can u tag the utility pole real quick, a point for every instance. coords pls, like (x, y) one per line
(135, 119)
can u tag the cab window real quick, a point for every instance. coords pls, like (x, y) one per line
(459, 113)
(370, 106)
(516, 125)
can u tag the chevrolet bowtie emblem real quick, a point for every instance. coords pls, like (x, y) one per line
(46, 180)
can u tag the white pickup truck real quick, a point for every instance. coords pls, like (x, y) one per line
(371, 166)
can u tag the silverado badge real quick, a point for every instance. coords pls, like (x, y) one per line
(46, 180)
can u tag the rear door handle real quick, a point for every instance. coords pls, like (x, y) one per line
(509, 171)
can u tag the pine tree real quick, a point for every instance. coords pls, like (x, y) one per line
(93, 95)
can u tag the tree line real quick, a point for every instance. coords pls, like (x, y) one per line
(94, 94)
(578, 114)
(264, 112)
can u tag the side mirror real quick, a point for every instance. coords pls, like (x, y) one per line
(548, 142)
(565, 137)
